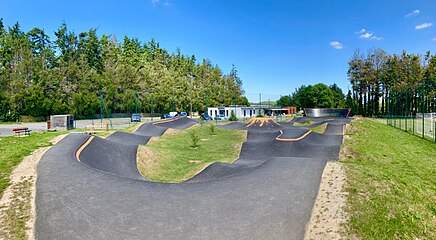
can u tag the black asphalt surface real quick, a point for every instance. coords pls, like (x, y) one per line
(268, 193)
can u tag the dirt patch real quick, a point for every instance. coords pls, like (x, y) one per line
(147, 160)
(328, 215)
(194, 161)
(17, 205)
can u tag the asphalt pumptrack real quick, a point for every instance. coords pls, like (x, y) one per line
(90, 188)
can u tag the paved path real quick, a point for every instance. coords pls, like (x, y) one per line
(266, 194)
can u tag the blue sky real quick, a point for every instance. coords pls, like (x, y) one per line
(276, 45)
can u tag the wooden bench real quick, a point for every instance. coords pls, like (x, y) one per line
(18, 131)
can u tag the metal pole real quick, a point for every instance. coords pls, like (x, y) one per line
(173, 100)
(235, 104)
(407, 110)
(387, 109)
(152, 106)
(101, 107)
(207, 92)
(260, 103)
(136, 103)
(422, 113)
(190, 97)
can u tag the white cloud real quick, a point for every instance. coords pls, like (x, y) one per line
(413, 13)
(155, 1)
(422, 26)
(366, 35)
(363, 30)
(336, 45)
(376, 38)
(433, 39)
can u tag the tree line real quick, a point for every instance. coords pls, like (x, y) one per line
(379, 79)
(41, 76)
(317, 96)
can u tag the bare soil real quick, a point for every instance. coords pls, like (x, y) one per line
(328, 214)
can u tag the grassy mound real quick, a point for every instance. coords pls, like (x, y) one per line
(174, 158)
(391, 183)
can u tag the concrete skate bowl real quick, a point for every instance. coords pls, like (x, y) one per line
(96, 192)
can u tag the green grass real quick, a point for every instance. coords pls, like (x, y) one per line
(319, 129)
(13, 149)
(307, 123)
(391, 183)
(171, 158)
(15, 216)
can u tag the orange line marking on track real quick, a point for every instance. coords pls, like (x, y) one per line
(292, 139)
(79, 151)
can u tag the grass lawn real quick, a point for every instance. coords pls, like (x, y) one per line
(391, 183)
(307, 123)
(320, 128)
(171, 157)
(13, 149)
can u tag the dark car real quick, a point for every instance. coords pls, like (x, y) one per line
(206, 117)
(182, 114)
(220, 117)
(136, 117)
(166, 116)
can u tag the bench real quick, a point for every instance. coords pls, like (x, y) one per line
(18, 131)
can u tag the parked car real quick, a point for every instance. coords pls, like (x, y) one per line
(182, 114)
(136, 117)
(206, 117)
(166, 116)
(220, 117)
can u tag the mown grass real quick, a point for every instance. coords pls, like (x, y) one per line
(391, 183)
(307, 123)
(13, 149)
(320, 128)
(15, 216)
(171, 158)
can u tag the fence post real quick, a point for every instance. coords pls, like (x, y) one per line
(407, 110)
(387, 110)
(422, 114)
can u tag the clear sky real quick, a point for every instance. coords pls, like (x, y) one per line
(276, 45)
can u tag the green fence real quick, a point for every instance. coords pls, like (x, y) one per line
(414, 112)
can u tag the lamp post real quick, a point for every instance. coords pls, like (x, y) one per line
(190, 95)
(172, 102)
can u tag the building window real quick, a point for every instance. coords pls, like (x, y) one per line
(251, 112)
(211, 112)
(245, 114)
(215, 112)
(227, 113)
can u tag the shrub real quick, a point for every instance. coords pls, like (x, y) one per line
(212, 129)
(233, 117)
(308, 121)
(194, 138)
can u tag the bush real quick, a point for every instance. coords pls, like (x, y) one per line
(194, 138)
(233, 117)
(308, 121)
(212, 129)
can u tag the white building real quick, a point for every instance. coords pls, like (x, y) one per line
(241, 111)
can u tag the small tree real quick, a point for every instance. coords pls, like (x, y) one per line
(194, 138)
(308, 121)
(212, 129)
(233, 117)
